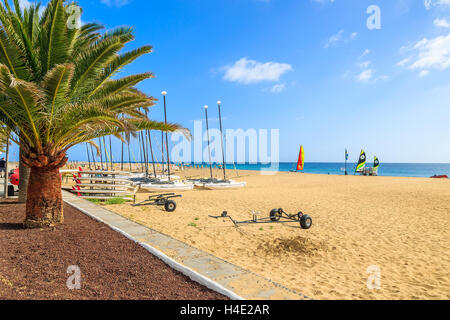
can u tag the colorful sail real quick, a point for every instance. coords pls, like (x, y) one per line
(301, 159)
(376, 165)
(346, 154)
(361, 162)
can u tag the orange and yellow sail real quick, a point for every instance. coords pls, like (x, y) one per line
(301, 159)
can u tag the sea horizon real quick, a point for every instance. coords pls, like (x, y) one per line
(389, 169)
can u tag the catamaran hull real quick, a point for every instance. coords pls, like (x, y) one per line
(220, 185)
(167, 187)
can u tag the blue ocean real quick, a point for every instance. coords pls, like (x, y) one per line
(337, 168)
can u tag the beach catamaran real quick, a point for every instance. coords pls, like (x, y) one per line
(213, 183)
(158, 184)
(367, 171)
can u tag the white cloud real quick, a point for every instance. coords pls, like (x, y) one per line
(423, 73)
(365, 64)
(339, 37)
(278, 88)
(334, 39)
(250, 71)
(436, 3)
(382, 78)
(365, 53)
(429, 54)
(365, 76)
(115, 3)
(404, 62)
(441, 23)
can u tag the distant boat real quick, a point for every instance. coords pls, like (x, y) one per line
(301, 160)
(367, 171)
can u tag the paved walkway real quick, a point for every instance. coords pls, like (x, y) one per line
(236, 282)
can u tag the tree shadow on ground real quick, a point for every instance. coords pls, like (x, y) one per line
(11, 226)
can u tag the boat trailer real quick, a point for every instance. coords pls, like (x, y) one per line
(161, 200)
(275, 216)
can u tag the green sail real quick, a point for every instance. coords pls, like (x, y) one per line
(376, 165)
(361, 162)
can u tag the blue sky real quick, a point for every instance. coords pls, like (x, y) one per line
(310, 68)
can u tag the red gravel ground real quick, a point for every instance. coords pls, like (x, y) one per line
(33, 263)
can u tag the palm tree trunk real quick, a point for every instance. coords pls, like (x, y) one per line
(44, 205)
(24, 174)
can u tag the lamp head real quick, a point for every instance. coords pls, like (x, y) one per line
(206, 107)
(164, 93)
(219, 102)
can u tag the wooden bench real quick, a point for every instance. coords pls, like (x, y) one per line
(102, 185)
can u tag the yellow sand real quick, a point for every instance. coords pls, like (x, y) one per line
(400, 225)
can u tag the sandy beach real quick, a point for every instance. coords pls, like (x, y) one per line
(399, 225)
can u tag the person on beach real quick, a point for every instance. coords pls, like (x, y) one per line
(2, 167)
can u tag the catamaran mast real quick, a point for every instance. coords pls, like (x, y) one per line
(149, 141)
(221, 139)
(207, 133)
(106, 154)
(93, 156)
(121, 159)
(129, 154)
(167, 140)
(149, 137)
(101, 152)
(88, 157)
(110, 153)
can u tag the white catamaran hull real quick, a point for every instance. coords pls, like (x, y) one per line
(176, 186)
(142, 175)
(221, 185)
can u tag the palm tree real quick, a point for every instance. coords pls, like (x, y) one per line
(57, 90)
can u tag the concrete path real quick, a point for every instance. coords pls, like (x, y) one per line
(211, 271)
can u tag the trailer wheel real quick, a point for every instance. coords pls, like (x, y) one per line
(274, 215)
(170, 206)
(305, 222)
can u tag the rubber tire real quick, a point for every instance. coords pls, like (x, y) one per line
(170, 206)
(274, 215)
(306, 222)
(10, 190)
